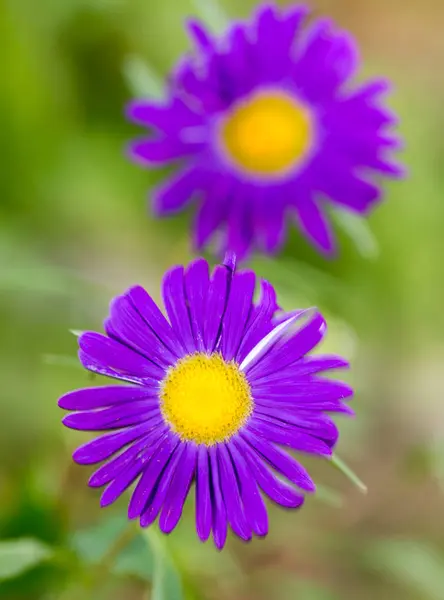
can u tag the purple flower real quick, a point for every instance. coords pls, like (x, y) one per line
(212, 394)
(265, 123)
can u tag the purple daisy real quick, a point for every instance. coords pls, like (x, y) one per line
(264, 123)
(212, 394)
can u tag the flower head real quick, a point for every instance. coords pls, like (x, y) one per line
(212, 393)
(264, 123)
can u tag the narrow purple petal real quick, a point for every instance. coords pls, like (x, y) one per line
(178, 491)
(149, 152)
(260, 321)
(105, 446)
(287, 435)
(203, 494)
(111, 469)
(200, 35)
(129, 475)
(177, 191)
(237, 312)
(317, 424)
(100, 397)
(281, 461)
(231, 493)
(215, 306)
(114, 417)
(105, 356)
(277, 490)
(253, 503)
(219, 524)
(315, 226)
(153, 469)
(308, 389)
(126, 325)
(288, 351)
(162, 486)
(169, 118)
(155, 320)
(176, 307)
(308, 365)
(197, 281)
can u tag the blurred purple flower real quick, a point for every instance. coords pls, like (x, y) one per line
(211, 394)
(264, 124)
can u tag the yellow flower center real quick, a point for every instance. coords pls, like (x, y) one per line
(205, 399)
(267, 134)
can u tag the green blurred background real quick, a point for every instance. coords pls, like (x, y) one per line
(75, 229)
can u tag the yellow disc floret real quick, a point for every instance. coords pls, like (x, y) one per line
(205, 399)
(267, 134)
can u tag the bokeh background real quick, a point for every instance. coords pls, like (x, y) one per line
(75, 230)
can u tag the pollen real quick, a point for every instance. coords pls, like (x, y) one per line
(205, 399)
(267, 134)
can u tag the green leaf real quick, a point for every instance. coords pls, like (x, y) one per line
(359, 232)
(141, 79)
(76, 332)
(328, 496)
(166, 584)
(93, 543)
(412, 563)
(345, 469)
(136, 559)
(20, 555)
(211, 12)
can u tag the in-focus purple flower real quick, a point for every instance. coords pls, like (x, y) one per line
(264, 124)
(212, 393)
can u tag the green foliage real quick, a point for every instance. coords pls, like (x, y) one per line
(414, 564)
(19, 555)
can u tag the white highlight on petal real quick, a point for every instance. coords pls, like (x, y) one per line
(278, 332)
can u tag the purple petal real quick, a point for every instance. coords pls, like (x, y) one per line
(308, 365)
(254, 505)
(219, 524)
(107, 357)
(237, 312)
(176, 307)
(287, 352)
(162, 487)
(318, 425)
(277, 490)
(177, 191)
(126, 325)
(200, 35)
(287, 435)
(280, 461)
(260, 321)
(332, 56)
(129, 475)
(239, 230)
(231, 494)
(215, 306)
(99, 397)
(142, 493)
(167, 118)
(197, 281)
(114, 417)
(155, 320)
(105, 446)
(149, 152)
(178, 491)
(203, 494)
(213, 209)
(123, 461)
(315, 226)
(314, 388)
